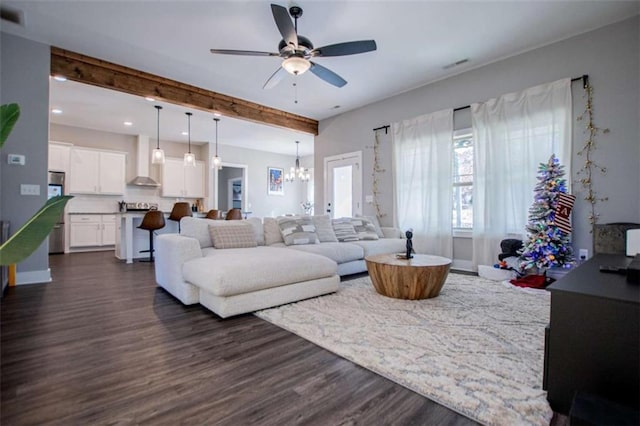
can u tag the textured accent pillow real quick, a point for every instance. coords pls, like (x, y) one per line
(258, 229)
(344, 230)
(236, 236)
(297, 230)
(324, 229)
(376, 224)
(272, 233)
(364, 228)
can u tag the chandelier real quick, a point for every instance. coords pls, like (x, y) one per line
(297, 172)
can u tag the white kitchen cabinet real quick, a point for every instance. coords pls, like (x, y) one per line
(108, 236)
(85, 230)
(92, 230)
(182, 181)
(59, 157)
(96, 172)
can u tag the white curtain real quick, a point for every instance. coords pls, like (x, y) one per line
(513, 134)
(422, 150)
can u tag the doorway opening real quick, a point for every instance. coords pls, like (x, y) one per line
(230, 187)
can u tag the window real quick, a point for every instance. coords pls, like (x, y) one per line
(462, 217)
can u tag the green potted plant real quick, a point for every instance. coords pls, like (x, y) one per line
(32, 233)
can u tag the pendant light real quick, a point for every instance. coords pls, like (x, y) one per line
(216, 161)
(297, 172)
(189, 158)
(157, 155)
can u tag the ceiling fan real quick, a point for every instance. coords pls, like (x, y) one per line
(297, 50)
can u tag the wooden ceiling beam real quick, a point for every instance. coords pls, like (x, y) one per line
(85, 69)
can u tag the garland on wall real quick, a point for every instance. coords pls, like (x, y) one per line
(377, 169)
(590, 168)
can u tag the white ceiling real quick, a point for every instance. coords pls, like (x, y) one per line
(415, 39)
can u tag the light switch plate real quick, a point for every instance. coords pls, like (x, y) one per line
(16, 159)
(26, 189)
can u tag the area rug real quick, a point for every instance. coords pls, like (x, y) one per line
(478, 348)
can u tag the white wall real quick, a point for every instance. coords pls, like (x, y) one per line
(608, 55)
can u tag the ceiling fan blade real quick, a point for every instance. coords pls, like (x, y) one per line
(275, 78)
(327, 75)
(347, 48)
(243, 52)
(284, 24)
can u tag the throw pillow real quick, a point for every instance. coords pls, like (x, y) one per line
(324, 229)
(258, 229)
(297, 230)
(272, 233)
(233, 236)
(374, 219)
(364, 228)
(344, 230)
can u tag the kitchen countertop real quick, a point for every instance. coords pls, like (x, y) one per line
(114, 212)
(141, 212)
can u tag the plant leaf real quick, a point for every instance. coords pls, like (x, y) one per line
(30, 235)
(9, 114)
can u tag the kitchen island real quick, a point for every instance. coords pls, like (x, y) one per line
(130, 240)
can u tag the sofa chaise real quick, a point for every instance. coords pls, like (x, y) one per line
(234, 267)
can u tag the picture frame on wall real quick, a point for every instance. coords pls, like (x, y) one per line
(275, 181)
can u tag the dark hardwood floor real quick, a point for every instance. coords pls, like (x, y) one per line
(102, 344)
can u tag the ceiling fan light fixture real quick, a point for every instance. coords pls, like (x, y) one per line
(296, 65)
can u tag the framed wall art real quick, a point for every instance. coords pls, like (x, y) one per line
(275, 181)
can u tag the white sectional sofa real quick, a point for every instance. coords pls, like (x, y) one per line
(234, 267)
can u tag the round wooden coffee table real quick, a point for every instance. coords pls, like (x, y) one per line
(421, 277)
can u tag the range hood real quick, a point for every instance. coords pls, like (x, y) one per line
(142, 165)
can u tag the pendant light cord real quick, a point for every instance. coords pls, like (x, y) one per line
(216, 120)
(189, 128)
(158, 107)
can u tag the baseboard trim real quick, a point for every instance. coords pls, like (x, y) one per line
(462, 265)
(33, 277)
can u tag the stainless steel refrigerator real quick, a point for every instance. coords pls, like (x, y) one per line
(56, 188)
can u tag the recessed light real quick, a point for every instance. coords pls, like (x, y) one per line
(217, 114)
(150, 99)
(185, 133)
(60, 78)
(128, 123)
(56, 111)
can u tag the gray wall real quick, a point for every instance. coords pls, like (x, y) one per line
(257, 162)
(608, 55)
(25, 80)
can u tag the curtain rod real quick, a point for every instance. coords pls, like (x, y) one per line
(584, 78)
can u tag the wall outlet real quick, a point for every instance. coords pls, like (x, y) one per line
(583, 254)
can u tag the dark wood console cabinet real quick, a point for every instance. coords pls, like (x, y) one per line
(592, 343)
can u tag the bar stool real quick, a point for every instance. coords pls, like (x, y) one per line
(152, 221)
(234, 214)
(213, 214)
(179, 211)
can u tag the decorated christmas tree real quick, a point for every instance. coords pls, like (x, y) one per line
(548, 227)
